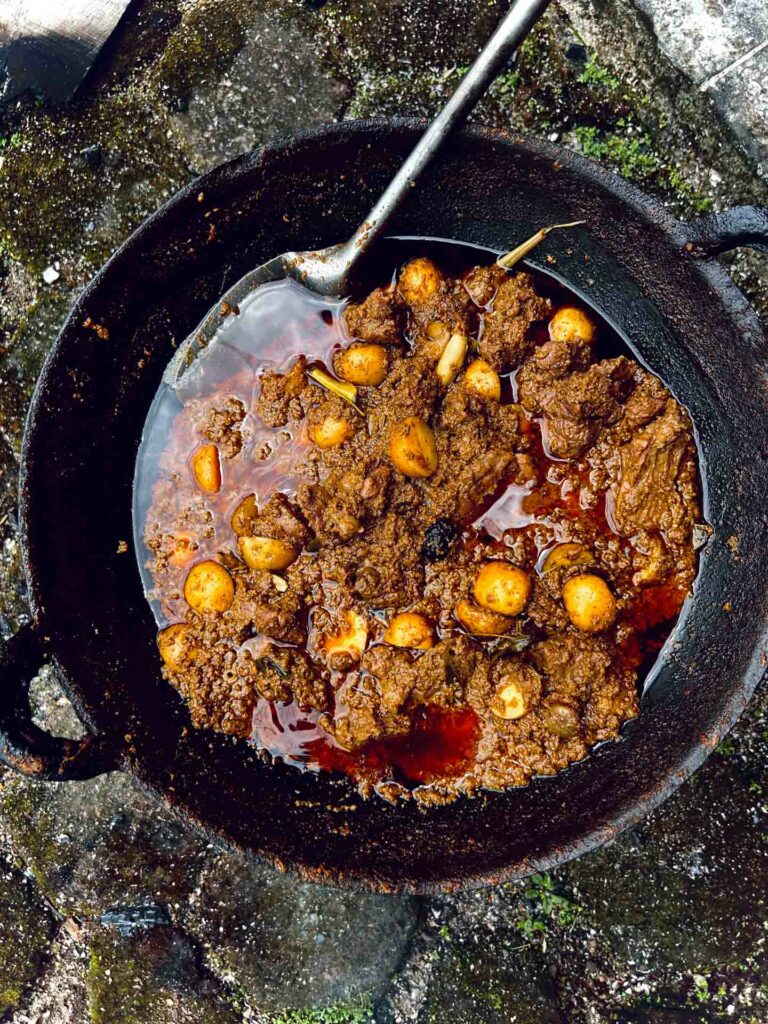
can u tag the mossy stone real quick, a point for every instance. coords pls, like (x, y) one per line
(687, 890)
(152, 976)
(101, 843)
(26, 932)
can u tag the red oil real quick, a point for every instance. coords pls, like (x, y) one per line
(284, 323)
(442, 743)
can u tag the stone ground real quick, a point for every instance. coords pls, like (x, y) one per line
(110, 910)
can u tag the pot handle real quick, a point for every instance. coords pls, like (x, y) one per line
(23, 745)
(720, 232)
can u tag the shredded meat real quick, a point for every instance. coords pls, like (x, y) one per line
(505, 338)
(378, 318)
(356, 616)
(222, 426)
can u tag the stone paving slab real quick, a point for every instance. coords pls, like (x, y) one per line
(110, 909)
(723, 47)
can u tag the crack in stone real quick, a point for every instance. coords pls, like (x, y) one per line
(739, 62)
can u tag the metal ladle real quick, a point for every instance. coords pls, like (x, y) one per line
(328, 271)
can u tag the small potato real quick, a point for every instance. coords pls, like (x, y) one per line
(565, 556)
(589, 602)
(571, 324)
(330, 432)
(267, 553)
(481, 378)
(365, 365)
(244, 516)
(209, 587)
(184, 548)
(172, 644)
(560, 720)
(481, 620)
(207, 468)
(502, 588)
(419, 282)
(509, 702)
(412, 448)
(409, 629)
(350, 642)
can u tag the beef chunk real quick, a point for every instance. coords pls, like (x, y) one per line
(572, 663)
(279, 398)
(337, 508)
(370, 705)
(218, 692)
(577, 407)
(222, 427)
(380, 567)
(655, 488)
(482, 283)
(504, 340)
(378, 318)
(262, 607)
(411, 388)
(648, 399)
(330, 512)
(557, 358)
(284, 674)
(280, 519)
(476, 452)
(379, 702)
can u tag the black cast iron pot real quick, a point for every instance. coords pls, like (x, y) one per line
(654, 278)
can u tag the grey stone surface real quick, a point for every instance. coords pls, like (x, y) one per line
(99, 844)
(291, 944)
(152, 976)
(474, 958)
(226, 117)
(723, 47)
(667, 925)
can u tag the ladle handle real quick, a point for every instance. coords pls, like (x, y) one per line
(511, 31)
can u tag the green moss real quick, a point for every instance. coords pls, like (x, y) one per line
(45, 173)
(596, 74)
(206, 40)
(546, 906)
(700, 989)
(632, 156)
(10, 998)
(726, 747)
(358, 1012)
(505, 86)
(632, 153)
